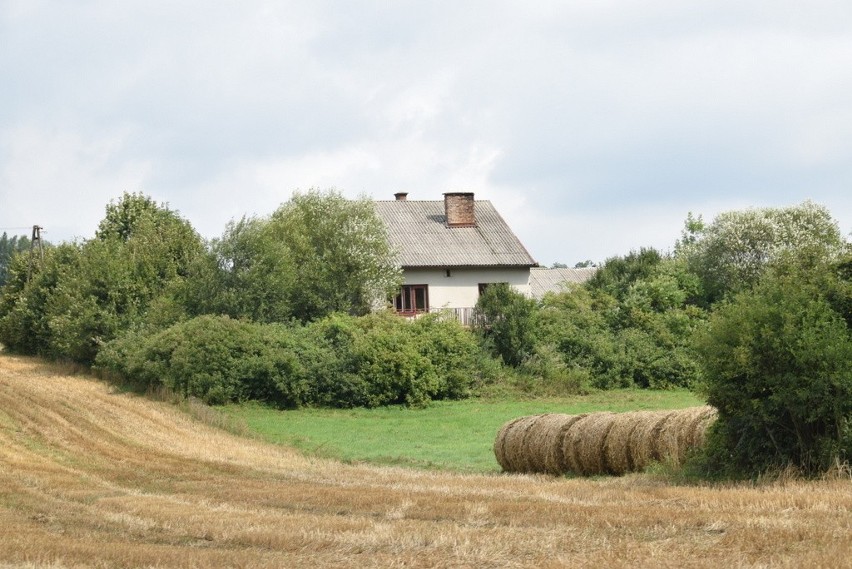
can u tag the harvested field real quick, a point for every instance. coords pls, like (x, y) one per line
(91, 477)
(600, 443)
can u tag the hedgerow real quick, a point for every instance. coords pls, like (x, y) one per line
(339, 361)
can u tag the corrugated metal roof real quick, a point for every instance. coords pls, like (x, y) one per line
(419, 233)
(556, 280)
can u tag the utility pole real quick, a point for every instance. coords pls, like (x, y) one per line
(35, 243)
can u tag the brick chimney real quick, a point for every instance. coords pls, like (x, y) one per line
(401, 196)
(459, 207)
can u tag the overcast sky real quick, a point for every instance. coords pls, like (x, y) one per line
(593, 126)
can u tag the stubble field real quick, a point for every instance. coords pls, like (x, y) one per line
(92, 477)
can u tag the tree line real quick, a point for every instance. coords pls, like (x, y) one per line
(753, 310)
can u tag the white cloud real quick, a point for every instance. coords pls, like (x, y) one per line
(62, 182)
(572, 117)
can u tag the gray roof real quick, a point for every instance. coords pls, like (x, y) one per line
(419, 233)
(557, 280)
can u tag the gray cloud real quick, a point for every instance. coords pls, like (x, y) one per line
(571, 117)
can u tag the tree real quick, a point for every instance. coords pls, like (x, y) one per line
(9, 246)
(641, 340)
(86, 294)
(618, 273)
(25, 300)
(504, 319)
(255, 274)
(339, 251)
(778, 367)
(162, 244)
(730, 254)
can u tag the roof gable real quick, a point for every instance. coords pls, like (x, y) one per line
(418, 231)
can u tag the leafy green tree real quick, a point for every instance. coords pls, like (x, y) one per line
(778, 367)
(9, 246)
(641, 339)
(255, 274)
(730, 254)
(318, 254)
(505, 321)
(85, 294)
(618, 273)
(25, 300)
(161, 243)
(141, 250)
(339, 251)
(577, 324)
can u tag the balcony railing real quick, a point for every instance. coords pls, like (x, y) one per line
(465, 316)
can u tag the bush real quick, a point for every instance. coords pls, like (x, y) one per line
(339, 361)
(387, 354)
(214, 358)
(778, 367)
(504, 320)
(640, 338)
(454, 353)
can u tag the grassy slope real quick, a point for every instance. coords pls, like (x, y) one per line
(456, 435)
(92, 477)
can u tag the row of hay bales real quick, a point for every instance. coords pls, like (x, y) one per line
(600, 443)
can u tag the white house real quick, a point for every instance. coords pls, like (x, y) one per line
(450, 250)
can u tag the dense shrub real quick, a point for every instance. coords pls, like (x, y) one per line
(339, 361)
(778, 366)
(640, 341)
(454, 353)
(387, 354)
(504, 320)
(214, 358)
(618, 274)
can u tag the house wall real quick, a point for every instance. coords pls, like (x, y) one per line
(461, 288)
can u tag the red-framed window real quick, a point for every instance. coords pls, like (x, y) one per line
(412, 299)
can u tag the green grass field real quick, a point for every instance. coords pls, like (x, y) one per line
(452, 435)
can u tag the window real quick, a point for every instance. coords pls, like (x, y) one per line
(412, 299)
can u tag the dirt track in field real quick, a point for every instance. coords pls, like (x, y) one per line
(91, 477)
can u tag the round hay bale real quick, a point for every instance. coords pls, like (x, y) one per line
(642, 438)
(671, 440)
(664, 438)
(540, 438)
(698, 430)
(500, 444)
(554, 462)
(678, 435)
(617, 459)
(584, 443)
(514, 446)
